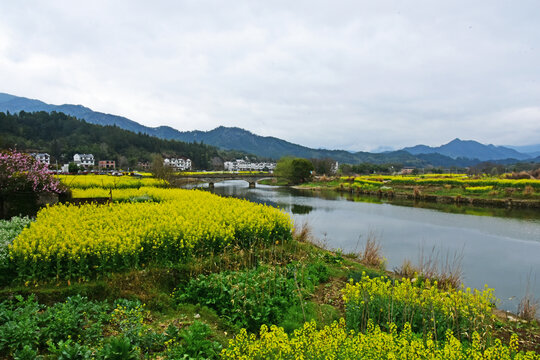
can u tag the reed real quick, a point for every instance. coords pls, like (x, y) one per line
(371, 255)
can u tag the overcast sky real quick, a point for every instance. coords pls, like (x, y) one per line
(354, 75)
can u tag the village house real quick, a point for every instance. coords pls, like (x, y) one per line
(84, 159)
(43, 158)
(243, 165)
(143, 165)
(407, 171)
(178, 164)
(107, 164)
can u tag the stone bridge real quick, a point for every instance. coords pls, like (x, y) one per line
(213, 178)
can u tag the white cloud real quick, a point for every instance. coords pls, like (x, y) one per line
(351, 75)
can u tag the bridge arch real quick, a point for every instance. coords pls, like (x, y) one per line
(211, 179)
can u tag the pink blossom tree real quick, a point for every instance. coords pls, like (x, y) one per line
(22, 173)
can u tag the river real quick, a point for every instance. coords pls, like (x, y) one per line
(500, 248)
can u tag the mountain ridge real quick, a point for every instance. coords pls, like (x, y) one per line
(234, 138)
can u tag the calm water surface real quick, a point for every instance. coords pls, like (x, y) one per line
(501, 248)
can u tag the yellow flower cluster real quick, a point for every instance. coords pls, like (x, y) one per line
(108, 182)
(118, 194)
(336, 342)
(188, 173)
(423, 305)
(443, 179)
(67, 240)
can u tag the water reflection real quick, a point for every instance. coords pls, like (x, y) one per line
(301, 209)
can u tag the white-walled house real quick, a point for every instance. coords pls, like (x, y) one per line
(243, 165)
(335, 168)
(178, 164)
(84, 159)
(43, 158)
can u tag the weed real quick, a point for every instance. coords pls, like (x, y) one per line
(302, 235)
(70, 350)
(407, 269)
(446, 269)
(528, 305)
(119, 348)
(19, 324)
(528, 308)
(26, 353)
(372, 253)
(528, 190)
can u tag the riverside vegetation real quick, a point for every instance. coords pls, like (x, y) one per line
(183, 274)
(505, 190)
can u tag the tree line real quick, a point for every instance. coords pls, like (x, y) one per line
(62, 136)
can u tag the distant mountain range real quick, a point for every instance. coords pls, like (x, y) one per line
(532, 150)
(456, 153)
(469, 148)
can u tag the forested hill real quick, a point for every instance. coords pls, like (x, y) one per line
(62, 136)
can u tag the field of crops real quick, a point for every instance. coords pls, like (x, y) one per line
(422, 305)
(337, 342)
(442, 179)
(108, 181)
(390, 319)
(191, 173)
(69, 241)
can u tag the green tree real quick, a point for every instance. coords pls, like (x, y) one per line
(73, 168)
(159, 169)
(294, 170)
(323, 166)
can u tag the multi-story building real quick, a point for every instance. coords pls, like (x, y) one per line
(143, 165)
(43, 158)
(107, 164)
(84, 159)
(178, 164)
(243, 165)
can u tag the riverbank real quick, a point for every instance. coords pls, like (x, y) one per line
(424, 195)
(501, 193)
